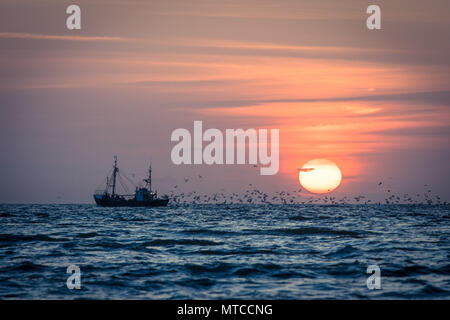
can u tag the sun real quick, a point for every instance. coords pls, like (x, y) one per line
(320, 176)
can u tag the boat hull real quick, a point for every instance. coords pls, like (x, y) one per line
(104, 201)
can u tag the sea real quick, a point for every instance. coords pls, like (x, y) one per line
(225, 251)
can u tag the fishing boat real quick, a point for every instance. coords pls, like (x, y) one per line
(142, 197)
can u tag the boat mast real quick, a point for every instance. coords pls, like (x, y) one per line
(148, 181)
(150, 178)
(114, 175)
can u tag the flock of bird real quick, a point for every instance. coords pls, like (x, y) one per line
(295, 197)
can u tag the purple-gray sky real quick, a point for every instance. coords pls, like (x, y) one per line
(374, 102)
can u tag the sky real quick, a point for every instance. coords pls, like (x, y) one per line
(375, 102)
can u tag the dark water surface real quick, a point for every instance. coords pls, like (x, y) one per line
(220, 251)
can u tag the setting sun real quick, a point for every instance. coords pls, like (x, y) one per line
(320, 176)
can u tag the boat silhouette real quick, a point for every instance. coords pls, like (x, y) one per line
(143, 196)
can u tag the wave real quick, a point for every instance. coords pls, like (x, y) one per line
(258, 269)
(220, 267)
(430, 290)
(414, 270)
(24, 266)
(313, 231)
(189, 242)
(299, 218)
(345, 269)
(197, 283)
(88, 235)
(346, 251)
(208, 232)
(6, 214)
(5, 237)
(237, 252)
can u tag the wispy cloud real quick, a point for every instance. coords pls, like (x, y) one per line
(37, 36)
(439, 98)
(187, 83)
(420, 131)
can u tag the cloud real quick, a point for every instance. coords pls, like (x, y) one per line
(36, 36)
(187, 83)
(306, 169)
(431, 97)
(422, 131)
(436, 98)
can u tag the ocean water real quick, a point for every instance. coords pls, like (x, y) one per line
(225, 251)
